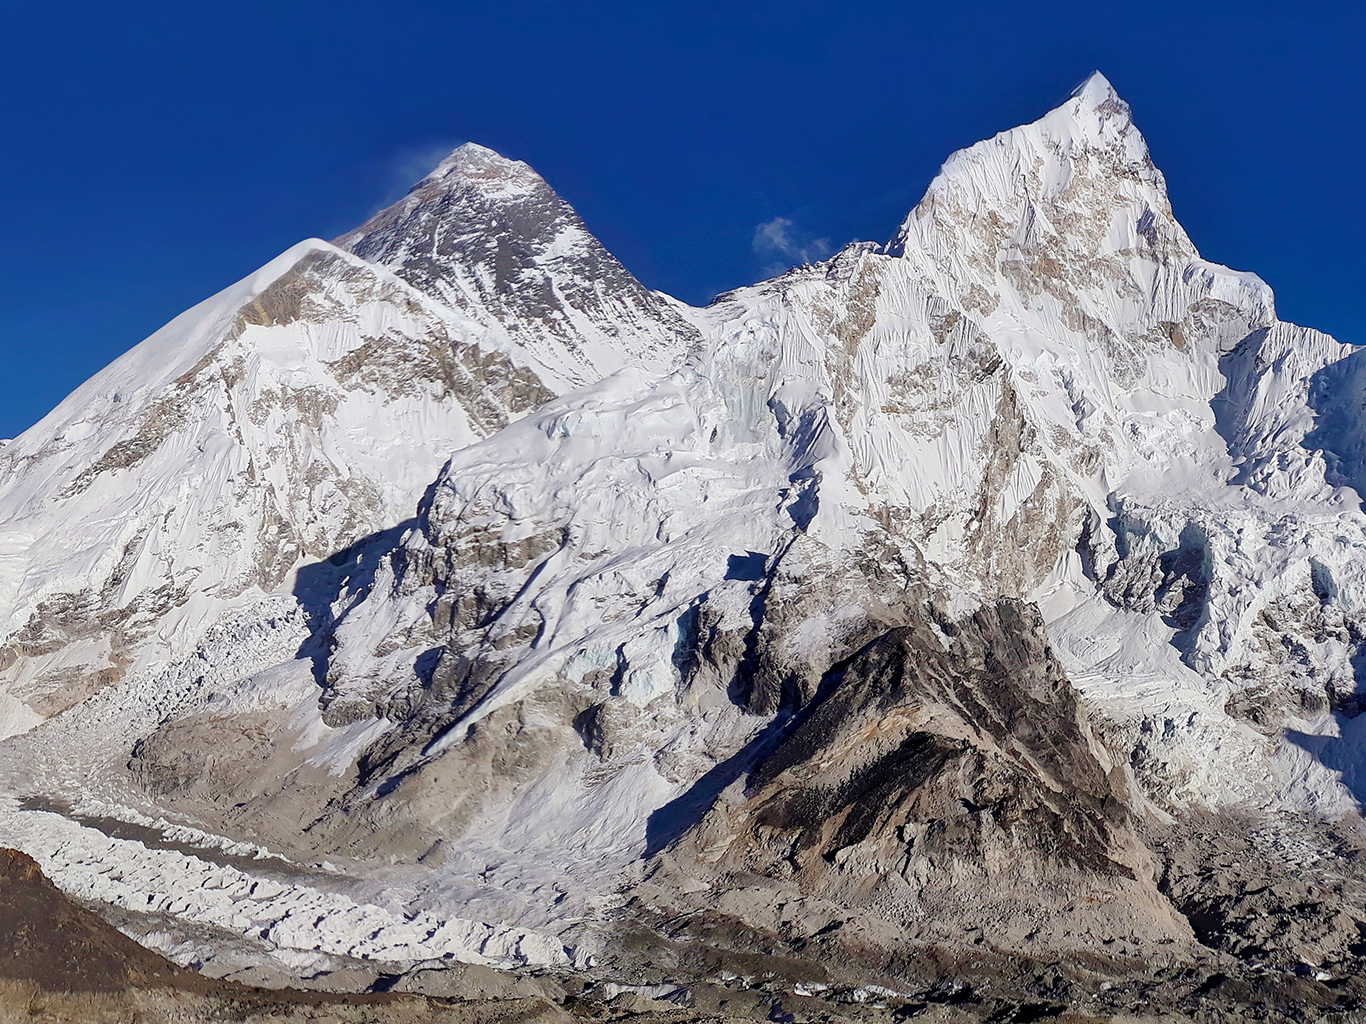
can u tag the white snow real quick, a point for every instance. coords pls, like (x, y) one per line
(1040, 390)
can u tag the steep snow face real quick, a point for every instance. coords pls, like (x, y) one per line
(290, 415)
(1064, 226)
(487, 236)
(1056, 241)
(1039, 390)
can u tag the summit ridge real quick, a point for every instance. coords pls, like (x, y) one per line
(489, 237)
(471, 158)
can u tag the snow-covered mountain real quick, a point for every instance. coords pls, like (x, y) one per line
(487, 236)
(286, 418)
(993, 586)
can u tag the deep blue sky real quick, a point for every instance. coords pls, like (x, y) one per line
(154, 153)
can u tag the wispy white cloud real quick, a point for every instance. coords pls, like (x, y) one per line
(779, 237)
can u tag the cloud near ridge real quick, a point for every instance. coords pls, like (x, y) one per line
(778, 237)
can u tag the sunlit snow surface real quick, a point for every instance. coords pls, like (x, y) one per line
(1039, 389)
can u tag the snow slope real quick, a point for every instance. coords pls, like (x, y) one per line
(269, 426)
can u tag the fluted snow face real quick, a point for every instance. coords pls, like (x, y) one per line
(1064, 225)
(1040, 329)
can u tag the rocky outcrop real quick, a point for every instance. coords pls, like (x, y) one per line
(487, 236)
(945, 781)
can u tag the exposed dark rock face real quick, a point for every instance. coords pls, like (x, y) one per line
(945, 780)
(487, 235)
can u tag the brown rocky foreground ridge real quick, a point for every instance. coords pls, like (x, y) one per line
(60, 962)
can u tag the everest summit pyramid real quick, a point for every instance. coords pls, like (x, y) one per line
(443, 596)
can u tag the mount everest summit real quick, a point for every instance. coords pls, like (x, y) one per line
(442, 595)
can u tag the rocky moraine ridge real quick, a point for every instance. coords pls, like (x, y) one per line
(967, 627)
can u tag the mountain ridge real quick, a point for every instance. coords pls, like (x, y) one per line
(489, 236)
(899, 589)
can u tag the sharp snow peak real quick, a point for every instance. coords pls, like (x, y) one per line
(472, 162)
(1095, 91)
